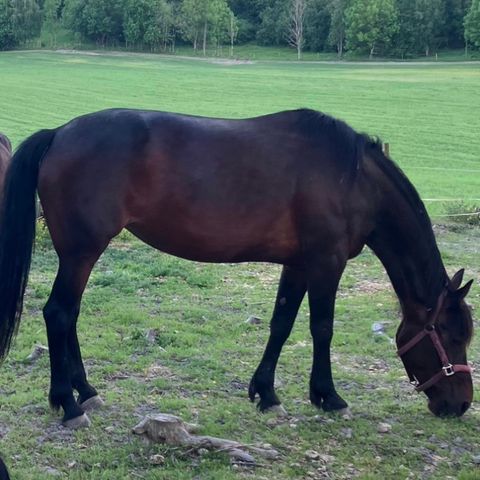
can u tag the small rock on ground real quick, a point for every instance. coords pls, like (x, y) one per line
(157, 459)
(252, 320)
(384, 428)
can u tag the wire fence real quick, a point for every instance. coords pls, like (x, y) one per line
(474, 214)
(468, 214)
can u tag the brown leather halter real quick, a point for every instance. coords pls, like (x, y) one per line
(447, 368)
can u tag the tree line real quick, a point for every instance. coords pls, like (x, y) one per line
(400, 28)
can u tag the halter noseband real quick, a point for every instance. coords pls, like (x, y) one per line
(447, 368)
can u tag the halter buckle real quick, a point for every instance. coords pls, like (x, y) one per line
(448, 370)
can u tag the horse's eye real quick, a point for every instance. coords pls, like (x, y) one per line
(452, 310)
(442, 328)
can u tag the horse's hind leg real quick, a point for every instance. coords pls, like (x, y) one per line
(290, 294)
(88, 399)
(61, 312)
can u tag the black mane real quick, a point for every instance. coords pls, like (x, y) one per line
(434, 271)
(345, 144)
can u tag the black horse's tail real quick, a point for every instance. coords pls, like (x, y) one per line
(17, 231)
(3, 471)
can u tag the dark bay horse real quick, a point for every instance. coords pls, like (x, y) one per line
(297, 188)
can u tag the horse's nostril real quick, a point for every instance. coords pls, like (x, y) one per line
(465, 407)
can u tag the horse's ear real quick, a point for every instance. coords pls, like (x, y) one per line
(456, 281)
(461, 293)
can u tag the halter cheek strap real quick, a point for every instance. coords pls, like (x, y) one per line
(447, 368)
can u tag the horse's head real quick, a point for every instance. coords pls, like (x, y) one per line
(433, 351)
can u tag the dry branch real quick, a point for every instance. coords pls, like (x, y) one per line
(172, 430)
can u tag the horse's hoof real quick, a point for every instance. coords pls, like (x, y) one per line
(345, 413)
(334, 403)
(78, 422)
(278, 410)
(92, 403)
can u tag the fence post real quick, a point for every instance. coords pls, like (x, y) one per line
(386, 149)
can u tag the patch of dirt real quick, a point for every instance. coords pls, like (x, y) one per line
(268, 275)
(56, 433)
(3, 431)
(76, 52)
(368, 287)
(159, 371)
(221, 61)
(122, 246)
(229, 62)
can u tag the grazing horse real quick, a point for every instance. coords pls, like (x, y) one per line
(298, 188)
(5, 154)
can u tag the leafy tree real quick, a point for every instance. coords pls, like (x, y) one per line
(247, 17)
(20, 21)
(135, 17)
(296, 28)
(148, 23)
(7, 36)
(104, 20)
(429, 23)
(176, 27)
(26, 19)
(159, 27)
(51, 20)
(404, 27)
(193, 16)
(222, 24)
(371, 24)
(274, 22)
(97, 20)
(317, 24)
(405, 41)
(472, 24)
(73, 18)
(232, 30)
(455, 11)
(336, 38)
(205, 20)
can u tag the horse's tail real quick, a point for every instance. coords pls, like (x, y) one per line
(17, 231)
(3, 471)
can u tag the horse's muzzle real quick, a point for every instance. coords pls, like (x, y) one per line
(447, 409)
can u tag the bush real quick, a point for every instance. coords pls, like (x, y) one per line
(466, 213)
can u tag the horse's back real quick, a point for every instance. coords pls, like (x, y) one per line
(232, 189)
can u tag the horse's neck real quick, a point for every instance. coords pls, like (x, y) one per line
(403, 240)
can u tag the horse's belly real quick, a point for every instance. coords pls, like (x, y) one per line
(221, 241)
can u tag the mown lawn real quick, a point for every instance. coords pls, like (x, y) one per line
(428, 113)
(203, 353)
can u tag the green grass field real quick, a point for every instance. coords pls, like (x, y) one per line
(204, 353)
(429, 114)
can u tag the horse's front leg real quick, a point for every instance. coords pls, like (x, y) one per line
(291, 291)
(323, 279)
